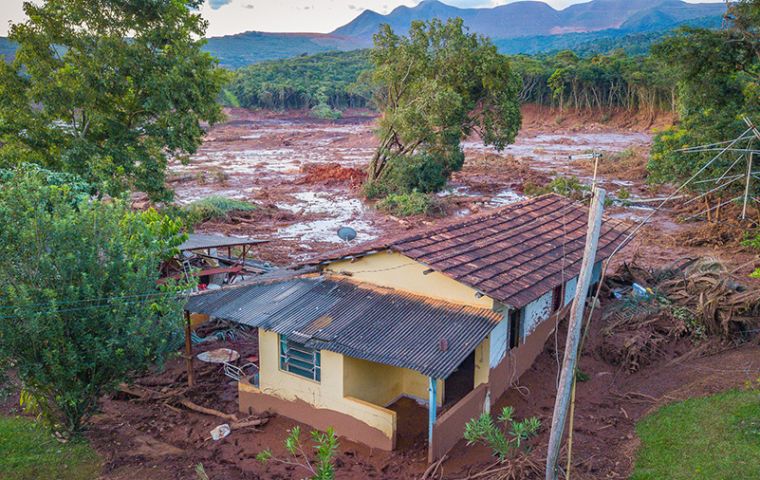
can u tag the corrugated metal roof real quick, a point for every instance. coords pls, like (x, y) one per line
(376, 324)
(196, 241)
(514, 254)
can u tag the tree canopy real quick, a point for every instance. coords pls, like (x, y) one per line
(717, 75)
(434, 88)
(80, 306)
(108, 89)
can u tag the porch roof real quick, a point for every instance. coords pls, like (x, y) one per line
(362, 321)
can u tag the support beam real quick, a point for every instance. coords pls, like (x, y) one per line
(189, 351)
(746, 186)
(432, 407)
(575, 323)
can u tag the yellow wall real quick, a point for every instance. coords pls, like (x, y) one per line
(328, 393)
(482, 363)
(393, 270)
(383, 384)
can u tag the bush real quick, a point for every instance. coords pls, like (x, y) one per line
(325, 447)
(569, 187)
(82, 308)
(212, 207)
(324, 112)
(484, 430)
(425, 172)
(408, 204)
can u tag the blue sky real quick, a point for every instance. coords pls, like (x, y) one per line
(233, 16)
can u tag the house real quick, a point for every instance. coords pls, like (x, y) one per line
(449, 316)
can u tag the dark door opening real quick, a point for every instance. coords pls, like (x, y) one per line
(558, 298)
(514, 328)
(461, 382)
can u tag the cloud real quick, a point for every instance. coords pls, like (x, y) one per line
(217, 4)
(469, 3)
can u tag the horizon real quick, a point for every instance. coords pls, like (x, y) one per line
(230, 17)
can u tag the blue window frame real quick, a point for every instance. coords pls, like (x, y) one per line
(303, 361)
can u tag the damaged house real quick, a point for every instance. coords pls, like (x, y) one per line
(448, 316)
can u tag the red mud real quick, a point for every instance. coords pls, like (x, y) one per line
(323, 160)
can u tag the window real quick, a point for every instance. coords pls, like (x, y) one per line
(295, 358)
(515, 325)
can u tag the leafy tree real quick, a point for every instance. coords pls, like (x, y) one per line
(325, 446)
(108, 89)
(717, 74)
(80, 308)
(435, 87)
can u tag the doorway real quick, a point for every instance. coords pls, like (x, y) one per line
(461, 382)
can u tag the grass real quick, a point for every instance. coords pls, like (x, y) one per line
(29, 452)
(714, 438)
(213, 207)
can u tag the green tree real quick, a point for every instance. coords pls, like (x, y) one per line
(718, 75)
(108, 89)
(80, 308)
(435, 87)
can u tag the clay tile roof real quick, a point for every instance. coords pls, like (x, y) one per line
(514, 254)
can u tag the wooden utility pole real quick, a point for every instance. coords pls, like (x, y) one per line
(189, 350)
(574, 334)
(746, 186)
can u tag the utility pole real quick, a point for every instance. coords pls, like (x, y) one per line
(574, 334)
(189, 350)
(746, 186)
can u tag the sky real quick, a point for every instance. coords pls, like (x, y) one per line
(233, 16)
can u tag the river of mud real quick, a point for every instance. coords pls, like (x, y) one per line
(266, 158)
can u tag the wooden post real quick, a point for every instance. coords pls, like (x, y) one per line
(189, 351)
(746, 187)
(574, 334)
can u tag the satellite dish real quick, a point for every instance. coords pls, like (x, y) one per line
(346, 233)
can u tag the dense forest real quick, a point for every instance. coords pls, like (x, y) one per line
(564, 80)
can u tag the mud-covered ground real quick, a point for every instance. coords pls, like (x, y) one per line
(305, 174)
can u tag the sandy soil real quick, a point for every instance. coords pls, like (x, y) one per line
(306, 172)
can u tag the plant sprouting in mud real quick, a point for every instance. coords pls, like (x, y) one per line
(321, 467)
(506, 441)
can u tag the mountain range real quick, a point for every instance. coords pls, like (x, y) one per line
(519, 27)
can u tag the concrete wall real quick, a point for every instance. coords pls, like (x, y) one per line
(394, 270)
(499, 341)
(328, 394)
(448, 430)
(383, 384)
(536, 312)
(482, 362)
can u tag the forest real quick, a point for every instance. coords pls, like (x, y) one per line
(563, 80)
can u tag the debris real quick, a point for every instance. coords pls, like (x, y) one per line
(220, 355)
(208, 411)
(219, 432)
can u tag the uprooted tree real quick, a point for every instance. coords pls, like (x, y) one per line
(80, 308)
(108, 90)
(433, 88)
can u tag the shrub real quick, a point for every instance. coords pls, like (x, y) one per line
(569, 187)
(408, 204)
(83, 312)
(325, 112)
(213, 207)
(326, 444)
(424, 172)
(485, 431)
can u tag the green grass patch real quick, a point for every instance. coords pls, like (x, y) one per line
(213, 207)
(29, 452)
(714, 438)
(408, 204)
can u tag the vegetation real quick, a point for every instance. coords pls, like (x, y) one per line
(717, 74)
(569, 187)
(108, 90)
(29, 452)
(712, 437)
(433, 88)
(305, 82)
(321, 468)
(211, 208)
(485, 431)
(80, 306)
(412, 203)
